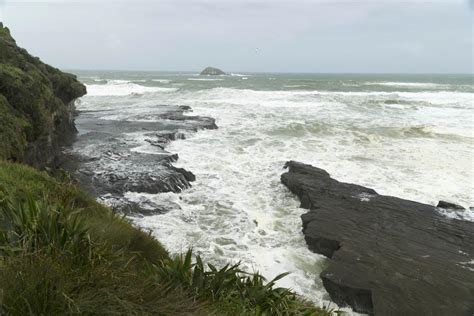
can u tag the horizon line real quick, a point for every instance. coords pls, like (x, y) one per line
(281, 72)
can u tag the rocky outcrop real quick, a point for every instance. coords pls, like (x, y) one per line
(36, 105)
(210, 71)
(389, 256)
(449, 206)
(108, 163)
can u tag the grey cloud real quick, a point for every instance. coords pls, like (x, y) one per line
(309, 36)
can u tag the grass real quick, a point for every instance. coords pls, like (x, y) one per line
(62, 253)
(103, 225)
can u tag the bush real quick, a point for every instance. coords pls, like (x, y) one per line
(61, 253)
(235, 291)
(49, 265)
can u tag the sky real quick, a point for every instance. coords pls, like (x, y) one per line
(322, 36)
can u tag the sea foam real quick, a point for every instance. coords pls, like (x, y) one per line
(411, 144)
(122, 88)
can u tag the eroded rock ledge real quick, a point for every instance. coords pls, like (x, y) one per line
(389, 256)
(109, 161)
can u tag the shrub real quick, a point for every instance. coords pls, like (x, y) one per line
(32, 226)
(235, 291)
(63, 253)
(49, 265)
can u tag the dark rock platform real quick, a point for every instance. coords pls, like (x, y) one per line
(107, 161)
(389, 256)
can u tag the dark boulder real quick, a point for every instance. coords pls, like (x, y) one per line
(389, 256)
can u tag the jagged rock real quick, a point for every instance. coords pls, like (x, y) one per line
(140, 207)
(211, 71)
(105, 164)
(389, 256)
(449, 205)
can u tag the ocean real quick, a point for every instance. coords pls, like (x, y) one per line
(410, 136)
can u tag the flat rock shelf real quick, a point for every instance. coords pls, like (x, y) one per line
(389, 256)
(104, 159)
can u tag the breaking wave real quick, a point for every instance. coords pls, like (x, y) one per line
(408, 143)
(122, 88)
(414, 85)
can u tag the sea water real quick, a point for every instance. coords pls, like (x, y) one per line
(410, 136)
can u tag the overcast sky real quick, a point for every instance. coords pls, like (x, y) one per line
(261, 36)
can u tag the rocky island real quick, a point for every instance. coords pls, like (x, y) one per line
(389, 256)
(211, 71)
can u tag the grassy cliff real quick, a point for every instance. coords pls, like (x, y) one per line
(62, 253)
(36, 113)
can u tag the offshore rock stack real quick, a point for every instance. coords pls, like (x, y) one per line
(211, 71)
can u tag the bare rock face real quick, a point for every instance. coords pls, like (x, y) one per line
(210, 71)
(389, 256)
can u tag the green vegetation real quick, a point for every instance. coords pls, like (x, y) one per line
(63, 253)
(34, 102)
(236, 292)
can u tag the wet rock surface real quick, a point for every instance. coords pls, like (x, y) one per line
(111, 158)
(389, 256)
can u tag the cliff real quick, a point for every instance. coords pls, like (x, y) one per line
(36, 105)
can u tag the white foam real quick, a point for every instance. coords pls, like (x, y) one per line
(122, 88)
(161, 80)
(417, 85)
(465, 215)
(117, 81)
(304, 98)
(238, 210)
(469, 265)
(205, 79)
(295, 86)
